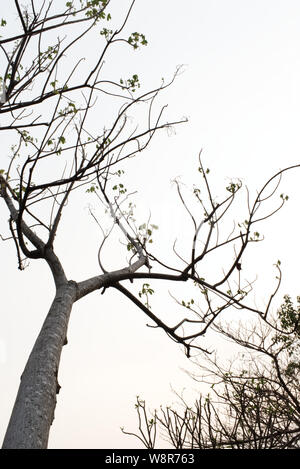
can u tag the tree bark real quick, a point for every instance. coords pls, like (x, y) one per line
(33, 412)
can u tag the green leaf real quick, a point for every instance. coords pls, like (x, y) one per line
(137, 39)
(62, 139)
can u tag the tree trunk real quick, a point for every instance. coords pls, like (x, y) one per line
(33, 412)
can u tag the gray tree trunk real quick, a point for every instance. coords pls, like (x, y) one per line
(33, 412)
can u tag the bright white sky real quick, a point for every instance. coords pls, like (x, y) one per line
(240, 91)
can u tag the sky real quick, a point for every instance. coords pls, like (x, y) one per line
(239, 89)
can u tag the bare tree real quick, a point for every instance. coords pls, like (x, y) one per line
(48, 101)
(254, 402)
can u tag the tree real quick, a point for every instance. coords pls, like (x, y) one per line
(57, 147)
(254, 402)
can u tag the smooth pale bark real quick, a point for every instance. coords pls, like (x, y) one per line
(33, 412)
